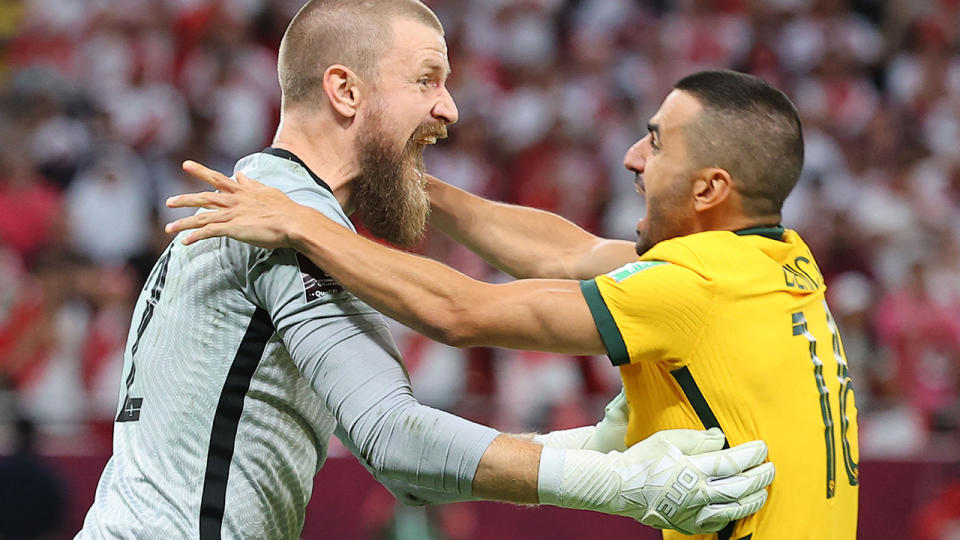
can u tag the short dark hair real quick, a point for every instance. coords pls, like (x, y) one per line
(751, 130)
(354, 33)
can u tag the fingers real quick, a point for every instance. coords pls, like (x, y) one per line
(207, 199)
(611, 432)
(245, 180)
(732, 460)
(714, 517)
(618, 409)
(748, 481)
(738, 486)
(692, 442)
(210, 230)
(210, 176)
(196, 221)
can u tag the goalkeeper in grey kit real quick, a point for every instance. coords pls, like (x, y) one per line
(242, 362)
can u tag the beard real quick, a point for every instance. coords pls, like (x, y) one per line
(644, 243)
(667, 217)
(389, 194)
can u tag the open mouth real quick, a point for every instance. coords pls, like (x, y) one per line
(429, 134)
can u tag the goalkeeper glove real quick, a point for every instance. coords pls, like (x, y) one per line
(609, 434)
(676, 479)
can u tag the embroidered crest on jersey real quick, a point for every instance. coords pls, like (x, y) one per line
(630, 269)
(316, 282)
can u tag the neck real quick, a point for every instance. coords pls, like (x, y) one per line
(324, 146)
(715, 222)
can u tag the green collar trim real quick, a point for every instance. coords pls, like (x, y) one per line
(773, 232)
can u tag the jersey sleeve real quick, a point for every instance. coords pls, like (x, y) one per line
(344, 351)
(303, 302)
(648, 311)
(310, 312)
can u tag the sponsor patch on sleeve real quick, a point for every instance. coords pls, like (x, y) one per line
(316, 283)
(630, 269)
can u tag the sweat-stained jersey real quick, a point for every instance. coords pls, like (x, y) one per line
(239, 363)
(732, 330)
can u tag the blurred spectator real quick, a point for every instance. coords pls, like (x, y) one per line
(923, 331)
(41, 342)
(29, 206)
(109, 206)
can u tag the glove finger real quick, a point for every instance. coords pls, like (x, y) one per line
(731, 460)
(738, 486)
(714, 517)
(617, 410)
(691, 441)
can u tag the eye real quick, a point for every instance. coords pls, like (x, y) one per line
(654, 144)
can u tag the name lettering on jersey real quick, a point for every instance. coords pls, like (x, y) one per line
(316, 283)
(630, 269)
(803, 274)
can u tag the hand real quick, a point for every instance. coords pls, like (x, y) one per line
(611, 432)
(244, 209)
(608, 435)
(681, 479)
(677, 479)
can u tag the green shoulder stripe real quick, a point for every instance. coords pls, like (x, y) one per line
(609, 332)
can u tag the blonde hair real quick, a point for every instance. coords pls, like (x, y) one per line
(353, 33)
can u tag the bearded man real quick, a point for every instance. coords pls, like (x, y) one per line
(241, 361)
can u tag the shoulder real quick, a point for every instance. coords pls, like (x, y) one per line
(694, 250)
(648, 281)
(295, 181)
(714, 254)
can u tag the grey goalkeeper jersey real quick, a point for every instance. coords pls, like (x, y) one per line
(240, 364)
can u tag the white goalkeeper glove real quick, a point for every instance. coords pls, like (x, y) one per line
(609, 434)
(677, 479)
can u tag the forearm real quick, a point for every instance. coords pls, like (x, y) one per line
(444, 304)
(508, 471)
(395, 437)
(522, 241)
(416, 291)
(444, 457)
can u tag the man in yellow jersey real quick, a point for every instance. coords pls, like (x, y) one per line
(721, 322)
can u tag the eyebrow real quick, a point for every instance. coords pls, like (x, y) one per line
(433, 65)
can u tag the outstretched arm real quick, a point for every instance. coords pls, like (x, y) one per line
(523, 242)
(546, 315)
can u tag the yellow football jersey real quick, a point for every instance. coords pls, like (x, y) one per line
(732, 330)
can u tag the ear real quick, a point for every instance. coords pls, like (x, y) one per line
(342, 87)
(712, 187)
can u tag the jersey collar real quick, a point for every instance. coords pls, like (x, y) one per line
(286, 154)
(773, 232)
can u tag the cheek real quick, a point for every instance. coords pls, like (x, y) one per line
(669, 195)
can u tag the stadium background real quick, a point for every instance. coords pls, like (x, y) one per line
(102, 99)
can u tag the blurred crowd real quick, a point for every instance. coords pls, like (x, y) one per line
(103, 99)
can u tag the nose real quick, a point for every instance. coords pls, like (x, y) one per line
(445, 109)
(636, 157)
